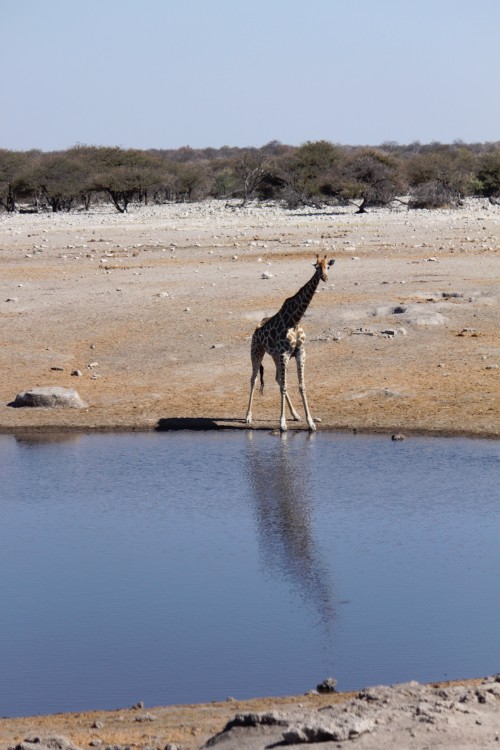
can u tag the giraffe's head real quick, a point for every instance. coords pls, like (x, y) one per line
(323, 266)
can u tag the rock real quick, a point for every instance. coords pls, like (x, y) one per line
(266, 730)
(327, 686)
(398, 436)
(76, 373)
(324, 729)
(46, 743)
(468, 332)
(266, 275)
(430, 319)
(364, 332)
(51, 397)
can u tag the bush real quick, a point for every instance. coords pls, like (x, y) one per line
(488, 174)
(442, 177)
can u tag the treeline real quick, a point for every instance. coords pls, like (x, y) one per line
(316, 173)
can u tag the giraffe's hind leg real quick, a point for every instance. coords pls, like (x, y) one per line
(257, 355)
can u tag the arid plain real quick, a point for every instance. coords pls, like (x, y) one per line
(156, 308)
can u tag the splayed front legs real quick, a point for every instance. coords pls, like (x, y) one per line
(281, 371)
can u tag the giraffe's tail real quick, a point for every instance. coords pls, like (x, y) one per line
(262, 379)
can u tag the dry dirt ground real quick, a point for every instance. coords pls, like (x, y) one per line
(156, 309)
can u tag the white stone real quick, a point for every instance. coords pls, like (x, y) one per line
(52, 397)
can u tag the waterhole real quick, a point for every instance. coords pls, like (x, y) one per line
(181, 567)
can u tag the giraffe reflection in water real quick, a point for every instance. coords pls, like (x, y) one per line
(281, 483)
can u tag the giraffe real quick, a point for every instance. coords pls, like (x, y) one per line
(283, 338)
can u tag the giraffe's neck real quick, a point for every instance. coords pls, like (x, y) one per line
(294, 307)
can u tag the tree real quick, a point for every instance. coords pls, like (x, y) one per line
(58, 178)
(12, 168)
(440, 176)
(190, 180)
(488, 174)
(307, 173)
(223, 181)
(123, 175)
(369, 175)
(249, 171)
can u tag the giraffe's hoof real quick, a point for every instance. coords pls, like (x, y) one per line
(283, 428)
(312, 427)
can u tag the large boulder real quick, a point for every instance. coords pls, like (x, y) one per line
(45, 743)
(51, 397)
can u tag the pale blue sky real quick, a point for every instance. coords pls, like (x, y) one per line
(169, 73)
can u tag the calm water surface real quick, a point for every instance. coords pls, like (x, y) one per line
(183, 567)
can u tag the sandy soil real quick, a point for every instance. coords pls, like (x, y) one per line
(156, 310)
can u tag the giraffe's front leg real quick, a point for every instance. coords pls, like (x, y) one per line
(282, 367)
(301, 359)
(294, 414)
(292, 340)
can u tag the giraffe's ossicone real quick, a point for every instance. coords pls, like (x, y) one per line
(283, 338)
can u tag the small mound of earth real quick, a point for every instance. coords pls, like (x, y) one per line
(429, 319)
(51, 397)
